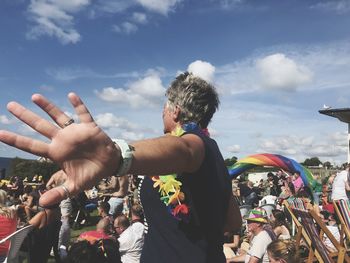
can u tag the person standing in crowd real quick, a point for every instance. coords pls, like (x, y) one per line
(340, 185)
(316, 186)
(261, 238)
(116, 189)
(186, 153)
(66, 209)
(297, 182)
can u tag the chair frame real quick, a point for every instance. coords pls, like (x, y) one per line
(344, 227)
(313, 237)
(16, 239)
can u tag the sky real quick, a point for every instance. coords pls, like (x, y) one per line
(274, 63)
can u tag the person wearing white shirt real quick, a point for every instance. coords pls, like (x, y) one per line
(341, 185)
(131, 238)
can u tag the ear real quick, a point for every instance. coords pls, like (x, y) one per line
(176, 113)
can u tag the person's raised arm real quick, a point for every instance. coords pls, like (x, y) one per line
(85, 152)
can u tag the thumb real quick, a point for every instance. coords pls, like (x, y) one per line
(53, 196)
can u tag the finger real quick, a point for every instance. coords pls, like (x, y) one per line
(33, 120)
(52, 197)
(80, 108)
(25, 143)
(51, 182)
(51, 109)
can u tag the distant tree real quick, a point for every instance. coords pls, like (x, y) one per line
(327, 165)
(314, 161)
(28, 168)
(230, 161)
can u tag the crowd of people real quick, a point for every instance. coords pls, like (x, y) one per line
(120, 227)
(267, 235)
(180, 210)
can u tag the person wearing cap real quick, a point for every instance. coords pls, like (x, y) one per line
(256, 220)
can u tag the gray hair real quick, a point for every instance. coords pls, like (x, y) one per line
(197, 99)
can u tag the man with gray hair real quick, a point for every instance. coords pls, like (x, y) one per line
(188, 208)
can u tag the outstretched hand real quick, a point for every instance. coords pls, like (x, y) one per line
(83, 151)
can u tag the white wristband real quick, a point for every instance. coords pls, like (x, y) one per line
(126, 152)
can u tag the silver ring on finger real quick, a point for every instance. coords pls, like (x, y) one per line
(67, 123)
(66, 191)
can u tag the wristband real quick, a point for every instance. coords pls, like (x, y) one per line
(126, 152)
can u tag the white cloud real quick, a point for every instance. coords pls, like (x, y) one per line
(228, 4)
(147, 92)
(132, 136)
(338, 6)
(4, 119)
(159, 6)
(109, 120)
(54, 18)
(139, 18)
(125, 27)
(290, 68)
(68, 74)
(113, 6)
(280, 72)
(202, 69)
(234, 148)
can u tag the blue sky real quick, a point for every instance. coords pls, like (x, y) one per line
(274, 63)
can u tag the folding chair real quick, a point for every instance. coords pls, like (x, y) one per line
(16, 240)
(342, 209)
(311, 228)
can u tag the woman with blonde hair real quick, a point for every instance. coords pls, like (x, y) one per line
(8, 223)
(283, 251)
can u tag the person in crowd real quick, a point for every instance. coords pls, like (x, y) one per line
(279, 224)
(316, 187)
(31, 202)
(332, 226)
(297, 182)
(116, 189)
(131, 239)
(8, 224)
(103, 212)
(287, 191)
(307, 198)
(283, 251)
(340, 185)
(256, 221)
(101, 251)
(136, 213)
(273, 184)
(327, 204)
(45, 235)
(102, 231)
(232, 242)
(16, 187)
(186, 153)
(66, 208)
(247, 192)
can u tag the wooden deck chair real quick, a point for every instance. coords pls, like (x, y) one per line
(311, 228)
(342, 209)
(16, 240)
